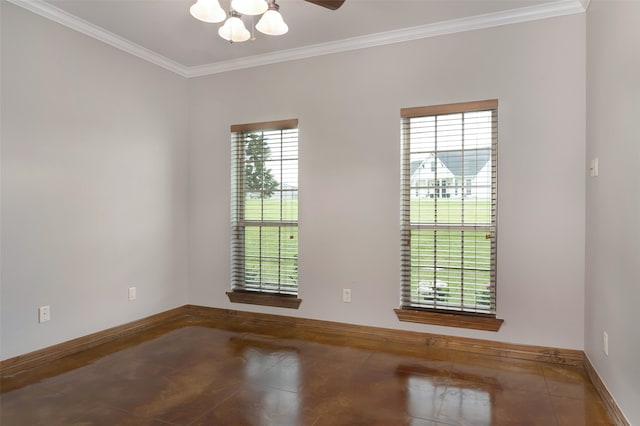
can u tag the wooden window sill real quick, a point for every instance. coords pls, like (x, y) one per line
(479, 322)
(265, 299)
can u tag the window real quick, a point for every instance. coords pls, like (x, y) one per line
(264, 211)
(449, 226)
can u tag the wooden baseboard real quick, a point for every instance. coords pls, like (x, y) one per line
(18, 364)
(610, 404)
(366, 337)
(374, 337)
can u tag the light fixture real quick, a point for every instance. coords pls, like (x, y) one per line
(233, 30)
(249, 7)
(208, 11)
(271, 22)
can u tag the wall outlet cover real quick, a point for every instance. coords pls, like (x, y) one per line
(44, 314)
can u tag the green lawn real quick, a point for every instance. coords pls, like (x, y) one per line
(271, 253)
(271, 209)
(450, 266)
(459, 268)
(450, 210)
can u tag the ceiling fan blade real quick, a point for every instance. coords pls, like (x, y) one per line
(329, 4)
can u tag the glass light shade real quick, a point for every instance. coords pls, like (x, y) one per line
(208, 11)
(249, 7)
(272, 23)
(234, 30)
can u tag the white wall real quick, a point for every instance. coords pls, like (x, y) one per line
(613, 199)
(94, 184)
(348, 105)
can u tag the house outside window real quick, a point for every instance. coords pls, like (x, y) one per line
(448, 223)
(264, 212)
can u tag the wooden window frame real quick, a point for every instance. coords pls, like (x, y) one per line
(445, 317)
(240, 292)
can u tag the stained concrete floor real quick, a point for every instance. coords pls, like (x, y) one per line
(196, 375)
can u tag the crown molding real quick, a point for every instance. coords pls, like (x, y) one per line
(585, 4)
(514, 16)
(58, 15)
(525, 14)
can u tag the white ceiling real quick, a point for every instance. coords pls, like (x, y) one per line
(163, 31)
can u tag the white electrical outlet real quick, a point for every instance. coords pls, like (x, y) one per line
(44, 313)
(132, 293)
(346, 295)
(605, 343)
(593, 169)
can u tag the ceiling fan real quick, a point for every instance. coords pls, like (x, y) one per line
(329, 4)
(233, 30)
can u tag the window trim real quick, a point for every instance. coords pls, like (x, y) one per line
(449, 108)
(237, 293)
(452, 318)
(265, 126)
(449, 319)
(264, 299)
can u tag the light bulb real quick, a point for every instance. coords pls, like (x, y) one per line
(271, 22)
(208, 11)
(249, 7)
(234, 30)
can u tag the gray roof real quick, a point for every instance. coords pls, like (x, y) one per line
(474, 161)
(415, 165)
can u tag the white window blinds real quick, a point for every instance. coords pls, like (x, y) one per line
(264, 207)
(449, 189)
